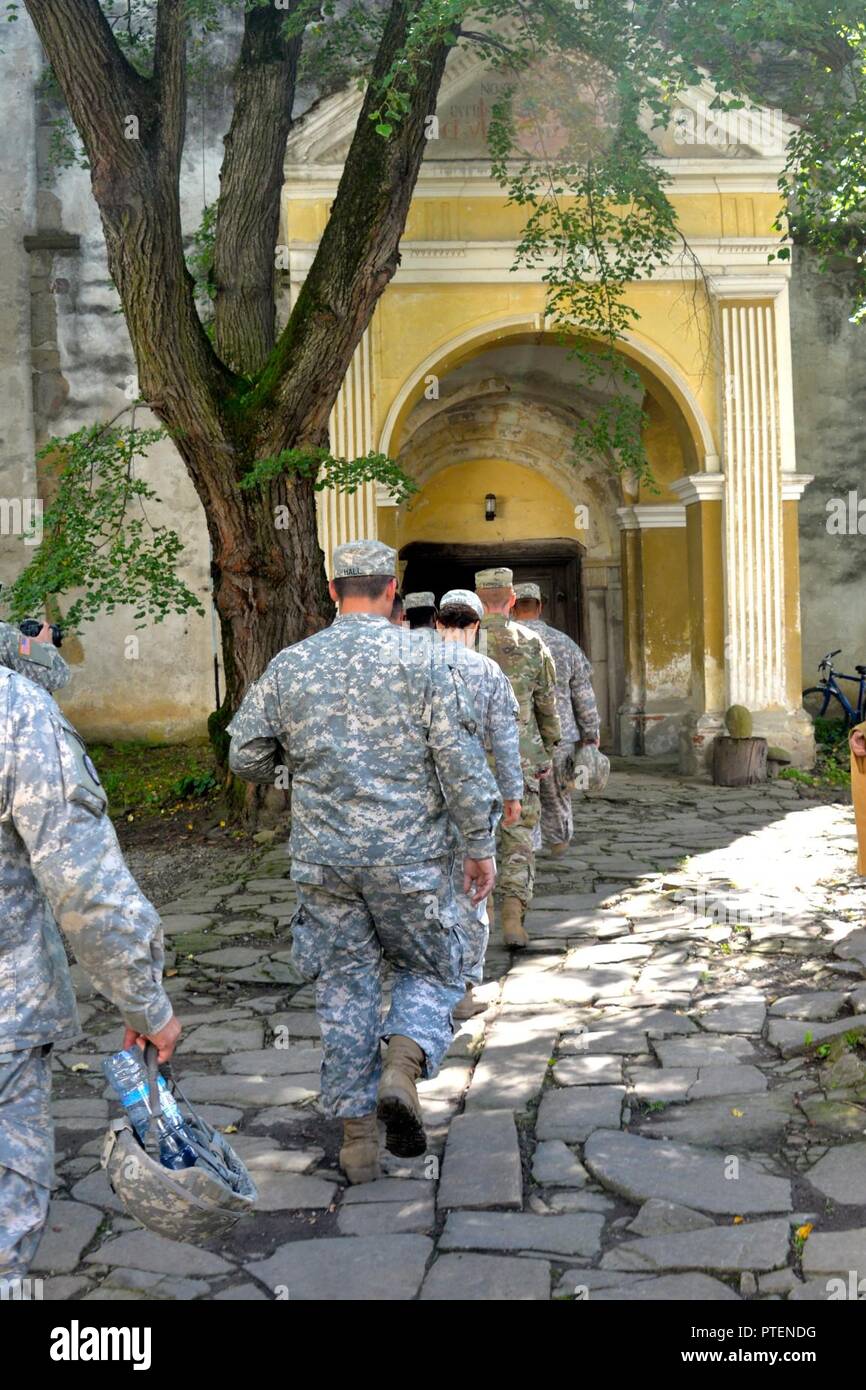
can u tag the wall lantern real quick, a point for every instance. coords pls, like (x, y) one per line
(490, 507)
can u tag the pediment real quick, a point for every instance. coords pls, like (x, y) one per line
(469, 93)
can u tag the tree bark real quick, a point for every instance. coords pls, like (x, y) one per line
(268, 575)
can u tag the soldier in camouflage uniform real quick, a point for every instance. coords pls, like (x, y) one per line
(34, 657)
(578, 715)
(460, 614)
(529, 666)
(60, 865)
(381, 749)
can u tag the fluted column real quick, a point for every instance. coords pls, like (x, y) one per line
(758, 449)
(348, 516)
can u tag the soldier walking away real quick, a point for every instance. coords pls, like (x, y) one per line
(460, 615)
(578, 715)
(529, 666)
(60, 866)
(420, 611)
(382, 752)
(34, 657)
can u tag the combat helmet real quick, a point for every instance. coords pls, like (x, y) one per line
(188, 1204)
(591, 768)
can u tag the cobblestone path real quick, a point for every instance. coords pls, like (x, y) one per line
(666, 1098)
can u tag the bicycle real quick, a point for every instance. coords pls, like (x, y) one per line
(817, 699)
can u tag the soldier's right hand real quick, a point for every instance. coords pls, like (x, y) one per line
(164, 1041)
(511, 812)
(857, 741)
(482, 874)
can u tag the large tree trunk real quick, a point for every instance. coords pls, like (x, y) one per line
(248, 398)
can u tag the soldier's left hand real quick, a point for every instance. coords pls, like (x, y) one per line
(44, 634)
(589, 743)
(544, 772)
(481, 873)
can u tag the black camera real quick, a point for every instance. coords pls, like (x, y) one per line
(31, 627)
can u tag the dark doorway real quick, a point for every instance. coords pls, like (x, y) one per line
(554, 565)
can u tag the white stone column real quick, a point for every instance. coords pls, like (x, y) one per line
(344, 516)
(758, 449)
(757, 434)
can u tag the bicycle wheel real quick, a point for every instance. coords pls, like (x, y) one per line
(818, 700)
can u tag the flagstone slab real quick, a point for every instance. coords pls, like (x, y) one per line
(763, 1245)
(661, 1218)
(234, 1035)
(554, 1164)
(513, 1066)
(744, 1016)
(835, 1253)
(735, 1121)
(579, 1234)
(347, 1268)
(573, 1112)
(595, 1069)
(822, 1005)
(273, 1061)
(251, 1090)
(482, 1162)
(608, 1286)
(300, 1023)
(280, 1191)
(703, 1051)
(639, 1168)
(416, 1214)
(259, 1153)
(179, 922)
(841, 1175)
(732, 1080)
(145, 1250)
(794, 1038)
(69, 1229)
(487, 1278)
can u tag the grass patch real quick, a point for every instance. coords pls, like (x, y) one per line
(148, 779)
(832, 762)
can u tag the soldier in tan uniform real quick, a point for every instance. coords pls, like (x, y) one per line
(529, 666)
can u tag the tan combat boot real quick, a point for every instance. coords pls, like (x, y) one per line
(513, 931)
(398, 1107)
(468, 1006)
(359, 1156)
(557, 851)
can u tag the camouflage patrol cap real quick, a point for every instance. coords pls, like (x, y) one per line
(499, 578)
(422, 600)
(356, 559)
(462, 598)
(528, 591)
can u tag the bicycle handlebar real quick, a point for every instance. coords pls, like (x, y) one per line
(829, 657)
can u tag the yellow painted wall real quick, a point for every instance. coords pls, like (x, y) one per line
(666, 611)
(451, 507)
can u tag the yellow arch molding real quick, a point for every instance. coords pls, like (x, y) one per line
(473, 341)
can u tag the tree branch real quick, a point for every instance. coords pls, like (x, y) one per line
(358, 253)
(251, 183)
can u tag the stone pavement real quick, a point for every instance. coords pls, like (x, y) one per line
(665, 1100)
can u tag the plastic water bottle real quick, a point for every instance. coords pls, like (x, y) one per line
(126, 1075)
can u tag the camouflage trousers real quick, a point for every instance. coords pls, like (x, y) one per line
(475, 924)
(26, 1156)
(516, 856)
(557, 817)
(350, 923)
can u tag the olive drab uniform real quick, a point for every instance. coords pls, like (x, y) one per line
(529, 667)
(60, 866)
(578, 715)
(379, 739)
(40, 662)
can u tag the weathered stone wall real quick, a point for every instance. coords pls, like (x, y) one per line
(830, 414)
(67, 362)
